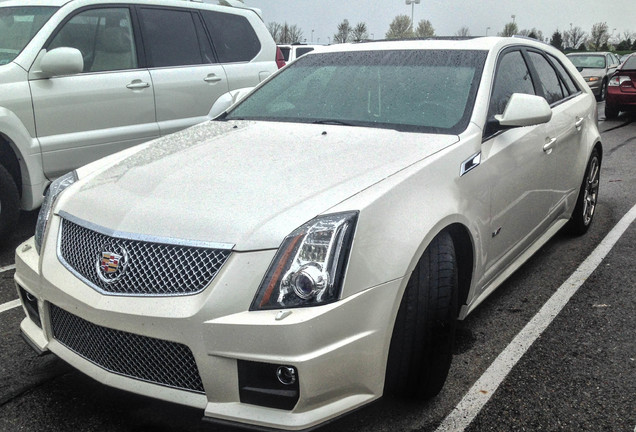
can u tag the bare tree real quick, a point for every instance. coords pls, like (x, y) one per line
(285, 33)
(463, 32)
(598, 36)
(360, 32)
(425, 29)
(574, 37)
(532, 33)
(344, 32)
(400, 28)
(275, 30)
(510, 29)
(628, 35)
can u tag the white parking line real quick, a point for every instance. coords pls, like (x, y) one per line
(479, 394)
(7, 268)
(8, 306)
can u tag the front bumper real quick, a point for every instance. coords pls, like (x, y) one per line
(339, 350)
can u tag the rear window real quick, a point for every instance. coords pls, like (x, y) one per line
(630, 63)
(232, 36)
(413, 90)
(588, 61)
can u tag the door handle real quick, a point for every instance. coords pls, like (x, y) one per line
(548, 146)
(212, 78)
(579, 122)
(137, 84)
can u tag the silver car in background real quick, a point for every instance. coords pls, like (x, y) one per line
(311, 249)
(597, 69)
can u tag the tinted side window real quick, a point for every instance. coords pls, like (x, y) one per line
(550, 83)
(170, 37)
(232, 36)
(512, 76)
(302, 51)
(103, 36)
(569, 84)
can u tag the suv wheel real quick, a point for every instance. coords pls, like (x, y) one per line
(422, 342)
(9, 204)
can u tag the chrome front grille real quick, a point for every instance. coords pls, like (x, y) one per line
(152, 268)
(152, 360)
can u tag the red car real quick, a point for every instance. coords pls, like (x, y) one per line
(621, 91)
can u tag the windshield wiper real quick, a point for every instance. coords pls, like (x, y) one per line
(332, 122)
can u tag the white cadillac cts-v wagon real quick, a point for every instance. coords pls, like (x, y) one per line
(311, 249)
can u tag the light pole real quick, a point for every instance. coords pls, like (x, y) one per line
(513, 18)
(312, 35)
(412, 3)
(487, 28)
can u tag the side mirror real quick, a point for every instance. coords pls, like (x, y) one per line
(62, 61)
(227, 100)
(524, 110)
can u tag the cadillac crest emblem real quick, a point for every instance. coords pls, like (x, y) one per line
(111, 265)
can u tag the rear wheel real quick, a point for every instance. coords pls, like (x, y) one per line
(9, 204)
(588, 196)
(422, 342)
(611, 112)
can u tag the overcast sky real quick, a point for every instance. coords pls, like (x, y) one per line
(448, 16)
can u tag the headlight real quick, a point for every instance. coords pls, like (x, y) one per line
(308, 268)
(55, 189)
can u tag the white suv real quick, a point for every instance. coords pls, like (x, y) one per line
(81, 79)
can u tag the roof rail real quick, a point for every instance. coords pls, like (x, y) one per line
(232, 3)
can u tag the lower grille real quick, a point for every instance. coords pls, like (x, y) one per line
(153, 360)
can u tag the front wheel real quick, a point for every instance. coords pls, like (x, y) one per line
(9, 204)
(423, 335)
(585, 207)
(603, 93)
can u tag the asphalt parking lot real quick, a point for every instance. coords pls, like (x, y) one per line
(579, 374)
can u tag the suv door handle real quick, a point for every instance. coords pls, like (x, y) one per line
(138, 84)
(212, 78)
(548, 146)
(579, 122)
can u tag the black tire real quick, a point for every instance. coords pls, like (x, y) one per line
(601, 96)
(9, 204)
(585, 208)
(611, 112)
(421, 347)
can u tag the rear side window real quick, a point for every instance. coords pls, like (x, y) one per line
(513, 76)
(232, 36)
(550, 83)
(568, 82)
(302, 51)
(170, 37)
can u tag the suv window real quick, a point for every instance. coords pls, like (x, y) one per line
(232, 36)
(513, 76)
(550, 83)
(103, 36)
(170, 37)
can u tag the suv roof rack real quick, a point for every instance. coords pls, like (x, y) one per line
(232, 3)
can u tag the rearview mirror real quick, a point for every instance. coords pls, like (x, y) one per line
(62, 61)
(524, 110)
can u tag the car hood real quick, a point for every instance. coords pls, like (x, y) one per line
(244, 183)
(588, 72)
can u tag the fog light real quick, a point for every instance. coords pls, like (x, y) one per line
(31, 305)
(268, 385)
(286, 375)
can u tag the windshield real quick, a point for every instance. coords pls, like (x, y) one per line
(17, 26)
(588, 61)
(417, 90)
